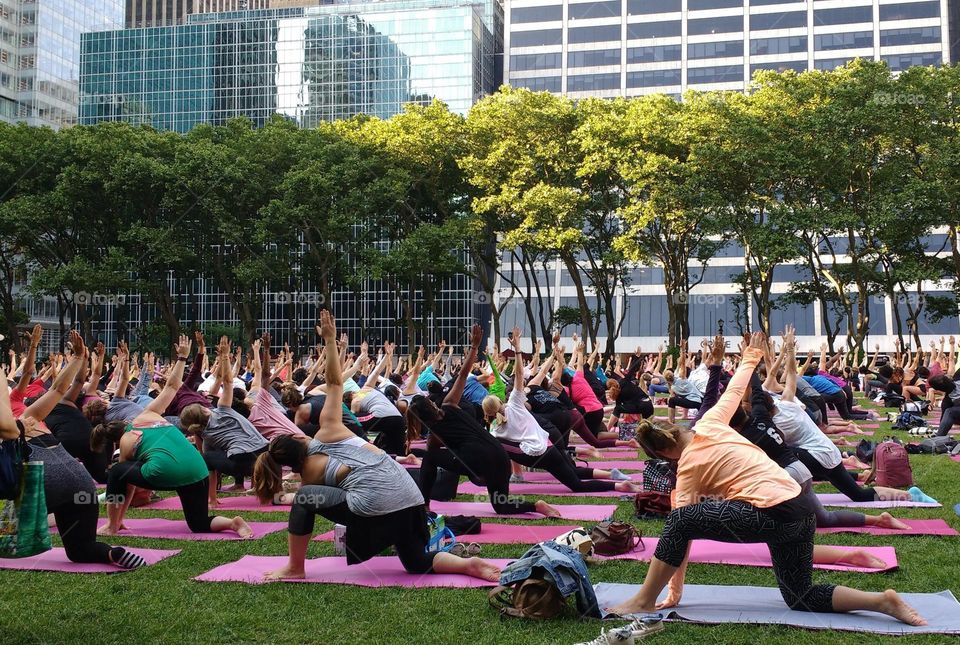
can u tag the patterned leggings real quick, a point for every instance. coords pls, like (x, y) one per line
(790, 544)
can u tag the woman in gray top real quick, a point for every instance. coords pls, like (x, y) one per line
(230, 443)
(354, 483)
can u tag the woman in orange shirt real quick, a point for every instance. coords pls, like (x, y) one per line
(729, 490)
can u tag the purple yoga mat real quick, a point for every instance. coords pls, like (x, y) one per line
(626, 464)
(752, 555)
(160, 528)
(917, 527)
(469, 488)
(839, 499)
(376, 572)
(499, 534)
(227, 503)
(617, 454)
(587, 512)
(56, 560)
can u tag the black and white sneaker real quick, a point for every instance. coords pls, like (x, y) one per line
(618, 636)
(126, 559)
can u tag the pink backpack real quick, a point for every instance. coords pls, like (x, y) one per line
(891, 465)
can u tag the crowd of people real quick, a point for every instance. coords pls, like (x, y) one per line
(338, 434)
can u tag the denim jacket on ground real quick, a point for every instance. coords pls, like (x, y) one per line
(564, 565)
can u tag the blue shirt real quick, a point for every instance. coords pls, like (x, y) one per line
(822, 384)
(474, 391)
(426, 377)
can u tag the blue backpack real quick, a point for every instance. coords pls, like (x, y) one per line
(908, 421)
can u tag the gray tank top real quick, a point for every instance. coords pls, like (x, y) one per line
(376, 483)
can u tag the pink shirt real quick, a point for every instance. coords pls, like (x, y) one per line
(582, 394)
(269, 419)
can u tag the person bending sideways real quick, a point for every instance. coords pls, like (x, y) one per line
(351, 482)
(459, 443)
(156, 455)
(729, 490)
(70, 492)
(528, 444)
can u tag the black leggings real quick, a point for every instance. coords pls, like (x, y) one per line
(838, 476)
(492, 472)
(392, 437)
(830, 519)
(193, 497)
(683, 402)
(311, 501)
(790, 544)
(578, 423)
(948, 418)
(558, 464)
(77, 525)
(839, 401)
(236, 466)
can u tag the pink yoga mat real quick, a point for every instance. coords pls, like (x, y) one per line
(626, 464)
(917, 527)
(56, 560)
(839, 499)
(469, 488)
(955, 457)
(848, 433)
(752, 555)
(376, 572)
(160, 528)
(499, 534)
(587, 512)
(618, 454)
(539, 476)
(227, 503)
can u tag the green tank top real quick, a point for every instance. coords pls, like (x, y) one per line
(169, 459)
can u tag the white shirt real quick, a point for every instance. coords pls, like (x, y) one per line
(800, 431)
(520, 426)
(699, 378)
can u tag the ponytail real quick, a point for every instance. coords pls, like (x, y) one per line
(267, 477)
(655, 437)
(106, 435)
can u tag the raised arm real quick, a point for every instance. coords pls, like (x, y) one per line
(411, 387)
(199, 363)
(517, 361)
(331, 416)
(456, 390)
(8, 424)
(224, 384)
(539, 376)
(96, 370)
(358, 363)
(40, 408)
(174, 381)
(374, 376)
(723, 411)
(30, 362)
(124, 380)
(790, 368)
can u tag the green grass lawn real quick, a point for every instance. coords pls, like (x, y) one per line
(163, 603)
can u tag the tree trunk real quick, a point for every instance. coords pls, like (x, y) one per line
(585, 318)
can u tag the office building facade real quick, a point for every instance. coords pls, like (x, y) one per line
(612, 48)
(632, 47)
(160, 13)
(40, 56)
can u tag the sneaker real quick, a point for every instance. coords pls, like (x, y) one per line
(619, 476)
(126, 559)
(517, 479)
(618, 636)
(646, 626)
(918, 495)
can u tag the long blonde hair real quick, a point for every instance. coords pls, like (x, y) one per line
(655, 436)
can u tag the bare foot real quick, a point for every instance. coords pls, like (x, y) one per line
(629, 487)
(241, 527)
(286, 573)
(888, 521)
(593, 453)
(893, 605)
(630, 607)
(861, 558)
(106, 530)
(545, 509)
(480, 568)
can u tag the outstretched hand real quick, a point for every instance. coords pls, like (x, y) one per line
(476, 335)
(327, 327)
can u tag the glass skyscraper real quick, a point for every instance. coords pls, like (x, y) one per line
(40, 56)
(310, 64)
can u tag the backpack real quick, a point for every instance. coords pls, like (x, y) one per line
(909, 420)
(659, 476)
(891, 466)
(536, 598)
(865, 450)
(615, 538)
(892, 400)
(578, 539)
(463, 524)
(921, 407)
(937, 445)
(651, 505)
